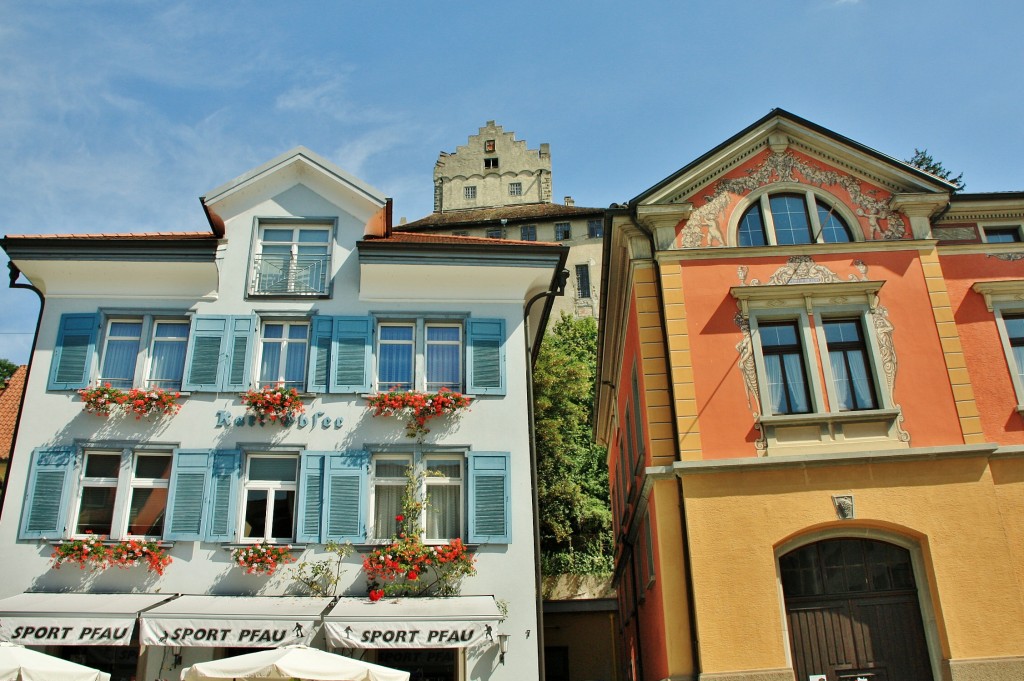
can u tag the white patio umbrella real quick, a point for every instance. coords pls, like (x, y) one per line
(292, 662)
(18, 663)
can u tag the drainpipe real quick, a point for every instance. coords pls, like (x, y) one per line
(558, 289)
(14, 274)
(687, 559)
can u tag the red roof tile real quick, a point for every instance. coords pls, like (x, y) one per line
(10, 399)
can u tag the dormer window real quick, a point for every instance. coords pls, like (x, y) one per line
(291, 260)
(791, 218)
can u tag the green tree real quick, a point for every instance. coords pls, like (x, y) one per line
(922, 160)
(7, 369)
(575, 518)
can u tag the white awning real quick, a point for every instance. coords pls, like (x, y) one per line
(233, 621)
(39, 619)
(457, 622)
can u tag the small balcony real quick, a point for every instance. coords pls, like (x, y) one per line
(300, 275)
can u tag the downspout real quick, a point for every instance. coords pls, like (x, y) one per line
(14, 274)
(558, 288)
(687, 558)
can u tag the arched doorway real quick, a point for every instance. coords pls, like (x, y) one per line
(853, 613)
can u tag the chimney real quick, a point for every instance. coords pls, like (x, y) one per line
(545, 150)
(569, 201)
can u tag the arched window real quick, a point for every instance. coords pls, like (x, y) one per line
(787, 218)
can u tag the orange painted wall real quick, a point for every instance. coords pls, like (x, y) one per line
(983, 351)
(922, 385)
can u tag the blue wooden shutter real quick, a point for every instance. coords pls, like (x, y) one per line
(72, 354)
(223, 495)
(319, 354)
(485, 356)
(350, 360)
(186, 502)
(241, 344)
(345, 489)
(206, 347)
(310, 502)
(489, 520)
(45, 512)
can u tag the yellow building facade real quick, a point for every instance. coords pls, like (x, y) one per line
(810, 387)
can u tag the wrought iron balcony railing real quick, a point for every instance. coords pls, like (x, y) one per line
(294, 275)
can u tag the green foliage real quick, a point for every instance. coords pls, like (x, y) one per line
(575, 518)
(922, 160)
(7, 369)
(320, 578)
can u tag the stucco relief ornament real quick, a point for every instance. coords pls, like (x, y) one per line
(1010, 257)
(887, 357)
(704, 228)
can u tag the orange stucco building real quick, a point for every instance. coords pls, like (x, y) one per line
(810, 386)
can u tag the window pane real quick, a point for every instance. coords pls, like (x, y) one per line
(1014, 327)
(270, 363)
(395, 333)
(443, 367)
(273, 330)
(444, 469)
(153, 467)
(255, 513)
(283, 521)
(121, 353)
(318, 236)
(390, 468)
(102, 465)
(796, 384)
(751, 228)
(777, 335)
(167, 364)
(146, 511)
(789, 213)
(280, 469)
(396, 365)
(833, 227)
(277, 235)
(295, 366)
(443, 512)
(1002, 235)
(96, 513)
(387, 504)
(444, 333)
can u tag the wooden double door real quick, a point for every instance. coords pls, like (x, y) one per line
(853, 613)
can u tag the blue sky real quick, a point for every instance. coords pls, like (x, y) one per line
(117, 116)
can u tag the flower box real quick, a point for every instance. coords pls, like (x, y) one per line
(262, 558)
(418, 408)
(104, 400)
(274, 403)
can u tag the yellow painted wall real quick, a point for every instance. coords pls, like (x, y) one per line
(950, 506)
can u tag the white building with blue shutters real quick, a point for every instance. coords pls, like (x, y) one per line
(297, 282)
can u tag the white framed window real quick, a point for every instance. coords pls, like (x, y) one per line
(143, 351)
(1001, 234)
(441, 492)
(817, 368)
(469, 192)
(291, 258)
(515, 188)
(284, 349)
(791, 215)
(420, 355)
(443, 514)
(122, 493)
(389, 478)
(269, 489)
(1003, 299)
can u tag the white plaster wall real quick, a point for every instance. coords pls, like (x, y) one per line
(493, 424)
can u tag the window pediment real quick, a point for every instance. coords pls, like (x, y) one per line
(1008, 291)
(806, 295)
